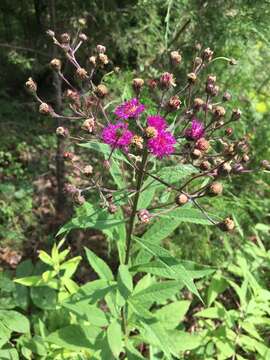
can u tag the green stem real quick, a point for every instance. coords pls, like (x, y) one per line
(135, 204)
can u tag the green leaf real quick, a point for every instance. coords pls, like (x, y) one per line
(132, 353)
(44, 297)
(114, 335)
(9, 354)
(176, 173)
(164, 257)
(212, 313)
(172, 314)
(99, 265)
(124, 281)
(166, 224)
(15, 321)
(217, 285)
(75, 337)
(104, 149)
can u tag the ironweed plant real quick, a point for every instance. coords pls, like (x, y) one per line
(161, 153)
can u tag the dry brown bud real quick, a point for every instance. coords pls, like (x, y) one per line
(82, 73)
(65, 38)
(166, 80)
(176, 57)
(225, 169)
(229, 131)
(102, 59)
(152, 83)
(211, 79)
(31, 85)
(181, 199)
(101, 49)
(219, 111)
(202, 144)
(198, 103)
(245, 158)
(70, 189)
(236, 114)
(198, 61)
(112, 208)
(78, 198)
(207, 54)
(233, 61)
(216, 188)
(56, 64)
(151, 132)
(205, 165)
(137, 141)
(227, 96)
(83, 37)
(101, 91)
(68, 155)
(93, 60)
(144, 216)
(106, 164)
(88, 125)
(50, 33)
(174, 103)
(45, 109)
(61, 131)
(88, 170)
(137, 84)
(192, 77)
(196, 154)
(265, 164)
(227, 225)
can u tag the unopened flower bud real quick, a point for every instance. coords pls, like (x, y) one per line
(82, 73)
(211, 79)
(229, 131)
(207, 54)
(31, 85)
(219, 111)
(61, 131)
(152, 83)
(265, 164)
(196, 154)
(233, 61)
(56, 64)
(137, 84)
(176, 58)
(144, 216)
(151, 132)
(112, 208)
(198, 103)
(236, 114)
(181, 199)
(45, 109)
(173, 104)
(79, 198)
(87, 170)
(137, 141)
(192, 77)
(166, 80)
(68, 155)
(83, 37)
(65, 38)
(216, 188)
(202, 144)
(212, 89)
(205, 165)
(102, 59)
(101, 91)
(93, 60)
(88, 125)
(227, 96)
(224, 169)
(227, 225)
(101, 49)
(245, 158)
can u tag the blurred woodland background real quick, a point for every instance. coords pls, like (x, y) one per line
(138, 35)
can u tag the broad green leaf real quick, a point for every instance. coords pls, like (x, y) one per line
(15, 321)
(99, 265)
(9, 354)
(217, 285)
(114, 336)
(181, 341)
(172, 314)
(166, 224)
(104, 149)
(44, 257)
(164, 257)
(212, 313)
(132, 353)
(44, 298)
(124, 281)
(75, 337)
(176, 173)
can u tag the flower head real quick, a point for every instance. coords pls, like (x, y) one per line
(156, 121)
(162, 145)
(117, 135)
(166, 80)
(129, 109)
(196, 130)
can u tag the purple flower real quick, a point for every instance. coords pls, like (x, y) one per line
(162, 144)
(117, 135)
(196, 130)
(156, 121)
(129, 109)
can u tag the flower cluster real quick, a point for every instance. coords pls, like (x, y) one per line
(129, 109)
(117, 136)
